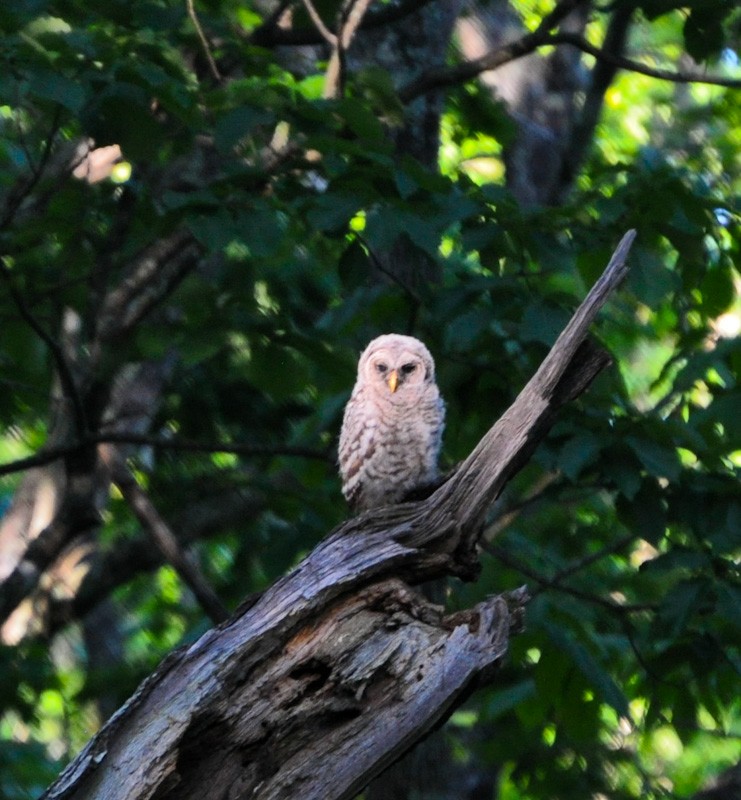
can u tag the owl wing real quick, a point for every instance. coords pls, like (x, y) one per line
(357, 446)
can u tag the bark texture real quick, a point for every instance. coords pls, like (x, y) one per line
(339, 668)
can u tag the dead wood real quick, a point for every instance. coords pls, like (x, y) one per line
(339, 668)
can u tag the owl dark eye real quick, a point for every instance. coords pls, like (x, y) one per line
(408, 369)
(381, 368)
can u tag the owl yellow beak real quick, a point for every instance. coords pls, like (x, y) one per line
(393, 380)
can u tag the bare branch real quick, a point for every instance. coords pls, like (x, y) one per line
(588, 115)
(47, 456)
(314, 16)
(204, 41)
(555, 584)
(269, 34)
(295, 699)
(164, 539)
(350, 18)
(631, 65)
(69, 386)
(112, 567)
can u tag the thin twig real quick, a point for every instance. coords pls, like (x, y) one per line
(510, 514)
(607, 550)
(204, 41)
(352, 13)
(270, 35)
(640, 658)
(69, 386)
(555, 584)
(326, 33)
(350, 17)
(392, 276)
(165, 539)
(47, 456)
(16, 200)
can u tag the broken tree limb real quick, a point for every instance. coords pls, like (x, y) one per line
(339, 668)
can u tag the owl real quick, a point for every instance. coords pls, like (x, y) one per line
(393, 424)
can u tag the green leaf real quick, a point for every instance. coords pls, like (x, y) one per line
(718, 290)
(214, 231)
(121, 114)
(645, 513)
(650, 278)
(353, 266)
(724, 410)
(678, 558)
(331, 212)
(237, 124)
(58, 88)
(658, 459)
(591, 669)
(542, 322)
(625, 473)
(729, 603)
(577, 453)
(500, 702)
(703, 32)
(656, 8)
(679, 605)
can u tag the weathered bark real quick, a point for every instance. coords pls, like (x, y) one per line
(339, 668)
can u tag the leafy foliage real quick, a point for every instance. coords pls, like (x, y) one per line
(627, 523)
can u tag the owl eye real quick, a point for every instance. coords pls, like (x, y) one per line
(408, 369)
(381, 368)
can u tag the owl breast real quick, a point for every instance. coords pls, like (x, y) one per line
(388, 447)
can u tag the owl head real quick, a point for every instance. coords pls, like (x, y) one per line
(396, 362)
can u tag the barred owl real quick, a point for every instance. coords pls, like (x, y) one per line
(393, 424)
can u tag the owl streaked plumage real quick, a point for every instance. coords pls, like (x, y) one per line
(393, 423)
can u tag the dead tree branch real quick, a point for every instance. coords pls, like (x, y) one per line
(338, 668)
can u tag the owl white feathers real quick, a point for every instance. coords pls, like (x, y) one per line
(393, 423)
